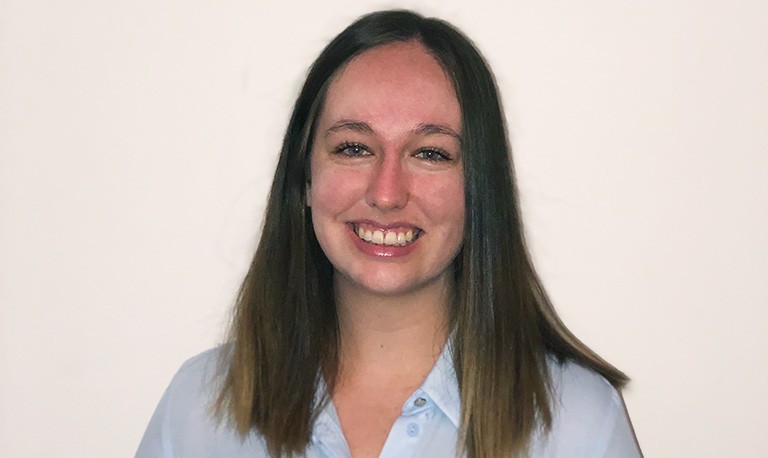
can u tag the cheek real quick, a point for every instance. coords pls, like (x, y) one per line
(445, 201)
(333, 190)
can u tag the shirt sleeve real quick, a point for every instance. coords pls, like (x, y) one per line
(621, 441)
(155, 442)
(590, 420)
(182, 417)
(184, 424)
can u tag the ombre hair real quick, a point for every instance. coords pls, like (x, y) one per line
(505, 331)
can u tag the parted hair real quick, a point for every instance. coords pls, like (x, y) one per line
(285, 333)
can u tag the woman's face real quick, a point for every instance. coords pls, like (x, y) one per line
(387, 188)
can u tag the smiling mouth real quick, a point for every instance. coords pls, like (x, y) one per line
(387, 237)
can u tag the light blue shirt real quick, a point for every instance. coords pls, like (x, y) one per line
(589, 419)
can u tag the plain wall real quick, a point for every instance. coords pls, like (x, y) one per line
(138, 140)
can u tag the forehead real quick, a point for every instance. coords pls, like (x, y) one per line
(394, 84)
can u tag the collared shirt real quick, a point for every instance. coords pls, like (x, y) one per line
(589, 419)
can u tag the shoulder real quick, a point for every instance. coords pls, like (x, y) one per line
(577, 389)
(589, 418)
(199, 375)
(184, 423)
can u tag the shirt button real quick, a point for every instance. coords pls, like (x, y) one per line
(412, 429)
(419, 402)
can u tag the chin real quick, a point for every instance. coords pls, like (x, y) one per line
(383, 284)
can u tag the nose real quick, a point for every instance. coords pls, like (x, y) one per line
(388, 185)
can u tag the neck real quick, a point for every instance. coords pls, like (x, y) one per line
(394, 337)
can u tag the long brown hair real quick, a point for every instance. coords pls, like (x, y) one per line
(285, 334)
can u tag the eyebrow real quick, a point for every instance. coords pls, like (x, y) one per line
(365, 128)
(357, 126)
(436, 129)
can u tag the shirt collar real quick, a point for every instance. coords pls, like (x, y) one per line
(442, 387)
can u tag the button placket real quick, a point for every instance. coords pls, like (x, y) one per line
(409, 427)
(415, 414)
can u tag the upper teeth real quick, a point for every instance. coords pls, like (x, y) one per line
(390, 238)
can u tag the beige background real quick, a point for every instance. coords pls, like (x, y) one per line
(138, 138)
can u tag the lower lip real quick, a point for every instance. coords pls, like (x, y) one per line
(381, 251)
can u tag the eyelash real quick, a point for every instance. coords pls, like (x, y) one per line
(438, 155)
(428, 154)
(344, 148)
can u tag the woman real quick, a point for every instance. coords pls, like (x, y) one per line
(391, 308)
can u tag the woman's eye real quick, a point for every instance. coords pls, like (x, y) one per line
(352, 150)
(433, 155)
